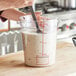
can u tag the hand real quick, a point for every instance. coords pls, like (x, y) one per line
(7, 4)
(12, 14)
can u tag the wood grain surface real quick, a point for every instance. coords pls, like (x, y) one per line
(13, 64)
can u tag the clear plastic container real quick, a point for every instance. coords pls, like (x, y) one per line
(39, 48)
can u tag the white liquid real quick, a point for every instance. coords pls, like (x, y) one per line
(38, 53)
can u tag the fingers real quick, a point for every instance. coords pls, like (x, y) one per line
(12, 14)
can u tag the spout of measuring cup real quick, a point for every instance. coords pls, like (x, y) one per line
(22, 21)
(27, 21)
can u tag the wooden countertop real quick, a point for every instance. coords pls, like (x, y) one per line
(13, 64)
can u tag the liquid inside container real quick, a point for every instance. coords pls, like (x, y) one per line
(40, 48)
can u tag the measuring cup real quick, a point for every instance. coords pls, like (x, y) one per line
(39, 48)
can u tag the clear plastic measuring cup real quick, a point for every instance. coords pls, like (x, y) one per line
(39, 48)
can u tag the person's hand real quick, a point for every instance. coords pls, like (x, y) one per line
(22, 3)
(12, 14)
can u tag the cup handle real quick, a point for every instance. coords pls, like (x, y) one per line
(74, 41)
